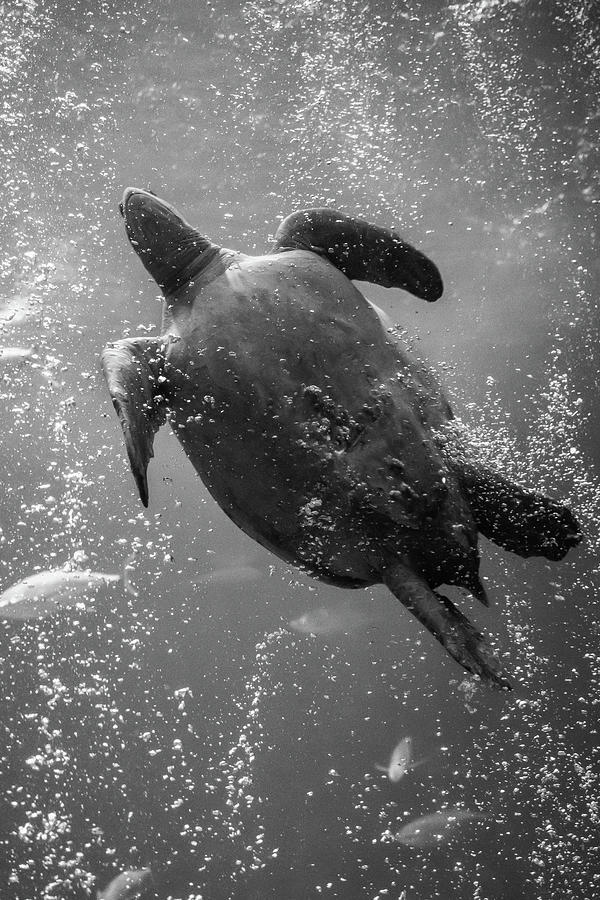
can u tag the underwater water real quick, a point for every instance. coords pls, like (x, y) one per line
(185, 724)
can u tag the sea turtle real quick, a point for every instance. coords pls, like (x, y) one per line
(307, 420)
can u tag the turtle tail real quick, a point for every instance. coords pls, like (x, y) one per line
(525, 522)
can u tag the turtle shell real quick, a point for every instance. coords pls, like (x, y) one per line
(313, 429)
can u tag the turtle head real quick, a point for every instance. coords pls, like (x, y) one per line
(170, 249)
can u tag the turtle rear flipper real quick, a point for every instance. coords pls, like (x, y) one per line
(132, 369)
(441, 617)
(361, 251)
(524, 522)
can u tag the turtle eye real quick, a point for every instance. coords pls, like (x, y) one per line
(121, 210)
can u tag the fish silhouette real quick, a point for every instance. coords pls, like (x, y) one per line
(336, 620)
(132, 884)
(44, 593)
(436, 828)
(401, 761)
(15, 355)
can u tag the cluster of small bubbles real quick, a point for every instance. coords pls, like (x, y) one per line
(506, 109)
(554, 759)
(341, 94)
(510, 93)
(566, 835)
(58, 686)
(559, 425)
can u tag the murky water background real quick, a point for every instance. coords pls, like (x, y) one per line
(189, 728)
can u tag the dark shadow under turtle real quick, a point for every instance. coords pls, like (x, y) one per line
(309, 423)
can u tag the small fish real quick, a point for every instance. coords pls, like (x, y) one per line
(401, 761)
(15, 354)
(130, 885)
(340, 619)
(436, 828)
(49, 592)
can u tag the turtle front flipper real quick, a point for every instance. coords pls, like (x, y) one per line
(132, 369)
(171, 250)
(361, 251)
(445, 622)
